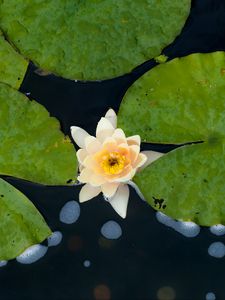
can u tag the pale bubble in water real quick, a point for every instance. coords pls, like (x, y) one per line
(188, 229)
(87, 263)
(70, 212)
(210, 296)
(55, 239)
(3, 263)
(32, 254)
(218, 229)
(111, 230)
(217, 249)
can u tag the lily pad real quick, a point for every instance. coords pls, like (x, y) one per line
(12, 65)
(91, 40)
(21, 225)
(178, 102)
(32, 145)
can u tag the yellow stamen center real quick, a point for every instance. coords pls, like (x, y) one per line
(113, 163)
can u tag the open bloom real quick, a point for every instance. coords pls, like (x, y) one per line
(109, 161)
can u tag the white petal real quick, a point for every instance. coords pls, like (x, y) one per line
(119, 201)
(97, 180)
(79, 135)
(119, 136)
(88, 192)
(104, 129)
(141, 160)
(81, 155)
(92, 144)
(85, 175)
(111, 117)
(129, 175)
(134, 140)
(110, 143)
(151, 157)
(134, 152)
(109, 189)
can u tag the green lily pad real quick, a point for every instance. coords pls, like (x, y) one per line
(91, 40)
(12, 65)
(32, 145)
(178, 102)
(20, 222)
(188, 183)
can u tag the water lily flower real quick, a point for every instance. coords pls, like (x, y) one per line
(109, 161)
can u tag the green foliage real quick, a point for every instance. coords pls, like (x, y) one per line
(32, 145)
(12, 65)
(91, 40)
(21, 225)
(178, 102)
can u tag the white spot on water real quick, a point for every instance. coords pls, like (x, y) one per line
(111, 230)
(32, 254)
(55, 239)
(3, 263)
(188, 229)
(87, 263)
(218, 229)
(217, 249)
(210, 296)
(70, 212)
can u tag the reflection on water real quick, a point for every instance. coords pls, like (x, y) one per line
(55, 239)
(32, 254)
(217, 249)
(217, 229)
(111, 230)
(70, 212)
(3, 263)
(75, 243)
(102, 292)
(87, 263)
(210, 296)
(166, 293)
(188, 229)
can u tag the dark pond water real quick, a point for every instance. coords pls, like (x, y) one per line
(148, 256)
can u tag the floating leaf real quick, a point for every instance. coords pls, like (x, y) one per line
(12, 65)
(32, 145)
(21, 225)
(180, 101)
(92, 39)
(177, 102)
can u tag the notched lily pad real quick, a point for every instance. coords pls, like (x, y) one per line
(32, 145)
(178, 102)
(91, 40)
(21, 225)
(12, 65)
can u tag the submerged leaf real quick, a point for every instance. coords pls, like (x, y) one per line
(178, 102)
(32, 145)
(21, 225)
(12, 65)
(92, 39)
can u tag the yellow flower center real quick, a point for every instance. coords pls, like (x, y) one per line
(113, 163)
